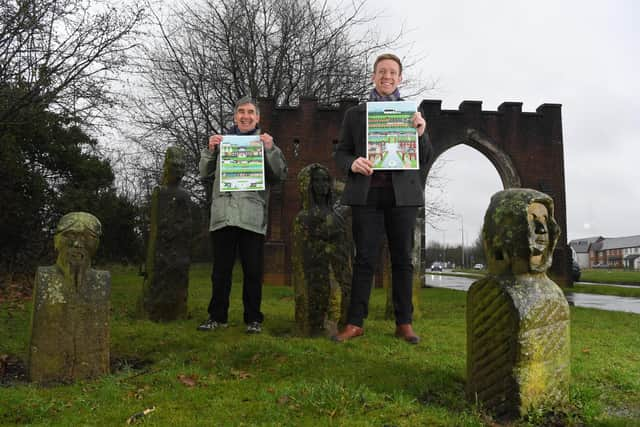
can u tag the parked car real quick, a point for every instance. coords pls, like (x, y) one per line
(575, 271)
(478, 266)
(436, 266)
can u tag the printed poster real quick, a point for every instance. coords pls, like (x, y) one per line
(392, 141)
(241, 163)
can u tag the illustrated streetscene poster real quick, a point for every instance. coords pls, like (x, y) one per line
(392, 141)
(241, 163)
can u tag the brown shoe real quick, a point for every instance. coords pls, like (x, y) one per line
(349, 331)
(405, 331)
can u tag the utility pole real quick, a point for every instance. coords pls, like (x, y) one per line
(462, 233)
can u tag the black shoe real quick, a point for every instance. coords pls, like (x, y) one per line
(254, 328)
(210, 325)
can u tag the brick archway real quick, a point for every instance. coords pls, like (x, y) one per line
(498, 158)
(525, 148)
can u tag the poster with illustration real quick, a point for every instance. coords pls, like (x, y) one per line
(241, 163)
(392, 141)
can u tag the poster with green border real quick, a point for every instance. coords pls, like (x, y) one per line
(241, 163)
(392, 141)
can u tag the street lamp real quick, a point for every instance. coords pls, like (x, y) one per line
(462, 233)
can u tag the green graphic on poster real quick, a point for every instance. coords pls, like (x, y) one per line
(241, 163)
(392, 141)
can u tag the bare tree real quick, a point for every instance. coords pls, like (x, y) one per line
(209, 53)
(58, 61)
(63, 54)
(436, 207)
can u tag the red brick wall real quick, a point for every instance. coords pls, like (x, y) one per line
(531, 140)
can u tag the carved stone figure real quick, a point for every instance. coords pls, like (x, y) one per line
(518, 344)
(70, 321)
(166, 284)
(321, 255)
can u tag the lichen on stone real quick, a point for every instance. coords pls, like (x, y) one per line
(518, 342)
(320, 255)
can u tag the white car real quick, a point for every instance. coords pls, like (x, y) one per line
(478, 266)
(436, 266)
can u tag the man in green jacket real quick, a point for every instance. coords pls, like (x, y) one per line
(239, 223)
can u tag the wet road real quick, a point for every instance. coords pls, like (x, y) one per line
(601, 302)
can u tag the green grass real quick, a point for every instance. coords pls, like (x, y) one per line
(467, 272)
(610, 276)
(605, 290)
(596, 276)
(277, 378)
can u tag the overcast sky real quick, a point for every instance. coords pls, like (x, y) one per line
(581, 54)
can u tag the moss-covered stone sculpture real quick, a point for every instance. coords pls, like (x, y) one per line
(166, 283)
(321, 256)
(518, 343)
(70, 318)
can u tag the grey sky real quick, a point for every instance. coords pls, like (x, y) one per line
(581, 54)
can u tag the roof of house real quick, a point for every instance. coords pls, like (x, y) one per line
(618, 243)
(582, 245)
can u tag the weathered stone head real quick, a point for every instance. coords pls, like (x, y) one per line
(520, 232)
(314, 183)
(70, 320)
(76, 240)
(173, 167)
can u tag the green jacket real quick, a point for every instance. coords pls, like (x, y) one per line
(245, 209)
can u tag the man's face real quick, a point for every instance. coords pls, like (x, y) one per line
(75, 248)
(538, 216)
(246, 117)
(173, 170)
(386, 76)
(320, 183)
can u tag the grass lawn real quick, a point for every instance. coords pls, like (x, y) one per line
(605, 290)
(610, 276)
(276, 378)
(596, 276)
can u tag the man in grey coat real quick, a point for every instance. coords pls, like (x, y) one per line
(239, 223)
(381, 200)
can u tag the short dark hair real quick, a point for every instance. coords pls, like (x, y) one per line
(390, 56)
(246, 100)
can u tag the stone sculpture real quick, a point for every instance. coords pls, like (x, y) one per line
(166, 284)
(321, 255)
(518, 344)
(70, 320)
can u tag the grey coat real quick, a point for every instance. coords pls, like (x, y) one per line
(245, 209)
(408, 185)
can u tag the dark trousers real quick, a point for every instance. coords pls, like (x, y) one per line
(226, 242)
(369, 226)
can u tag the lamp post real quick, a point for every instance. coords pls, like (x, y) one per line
(462, 234)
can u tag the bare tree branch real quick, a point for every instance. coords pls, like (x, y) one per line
(209, 53)
(65, 53)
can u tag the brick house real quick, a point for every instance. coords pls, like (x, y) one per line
(615, 252)
(582, 248)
